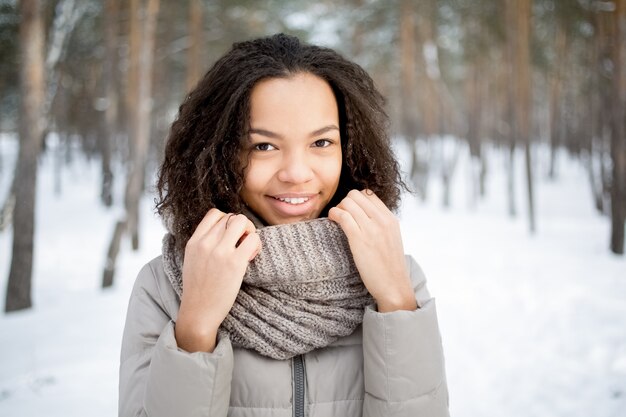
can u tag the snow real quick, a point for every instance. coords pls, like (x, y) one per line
(532, 325)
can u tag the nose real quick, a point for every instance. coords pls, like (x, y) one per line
(296, 168)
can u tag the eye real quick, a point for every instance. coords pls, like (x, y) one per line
(263, 147)
(322, 143)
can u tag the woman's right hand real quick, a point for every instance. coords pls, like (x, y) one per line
(216, 258)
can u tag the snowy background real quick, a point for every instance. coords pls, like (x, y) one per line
(531, 325)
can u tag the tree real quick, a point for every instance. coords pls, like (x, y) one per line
(408, 98)
(556, 82)
(108, 131)
(511, 99)
(66, 14)
(139, 135)
(518, 15)
(475, 53)
(31, 128)
(523, 131)
(9, 29)
(196, 43)
(617, 115)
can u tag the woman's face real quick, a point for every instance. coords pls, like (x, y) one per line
(293, 149)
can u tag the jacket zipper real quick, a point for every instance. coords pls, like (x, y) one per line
(299, 378)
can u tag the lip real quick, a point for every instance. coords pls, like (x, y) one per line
(294, 195)
(284, 209)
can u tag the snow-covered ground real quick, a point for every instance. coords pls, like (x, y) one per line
(532, 325)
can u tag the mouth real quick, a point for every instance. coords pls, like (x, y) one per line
(294, 205)
(293, 200)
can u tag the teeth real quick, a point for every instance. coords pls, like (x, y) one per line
(294, 200)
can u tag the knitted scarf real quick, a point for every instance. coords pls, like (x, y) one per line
(301, 292)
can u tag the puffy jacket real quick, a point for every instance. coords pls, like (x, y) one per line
(392, 365)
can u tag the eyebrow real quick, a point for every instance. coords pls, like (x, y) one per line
(273, 135)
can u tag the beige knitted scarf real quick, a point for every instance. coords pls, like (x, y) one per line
(301, 292)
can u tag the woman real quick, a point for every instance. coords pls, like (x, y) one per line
(276, 190)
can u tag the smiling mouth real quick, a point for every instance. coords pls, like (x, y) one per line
(294, 200)
(294, 206)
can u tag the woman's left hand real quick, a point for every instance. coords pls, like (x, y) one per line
(376, 243)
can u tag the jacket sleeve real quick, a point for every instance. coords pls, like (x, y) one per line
(157, 379)
(403, 359)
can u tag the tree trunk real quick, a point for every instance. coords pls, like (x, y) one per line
(32, 86)
(449, 159)
(617, 116)
(139, 136)
(511, 75)
(595, 180)
(196, 44)
(474, 116)
(409, 113)
(408, 72)
(114, 250)
(560, 46)
(427, 55)
(593, 109)
(358, 30)
(523, 107)
(132, 73)
(110, 92)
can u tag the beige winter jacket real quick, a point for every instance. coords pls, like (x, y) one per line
(391, 366)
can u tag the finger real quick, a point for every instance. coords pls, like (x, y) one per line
(371, 196)
(345, 220)
(385, 216)
(250, 246)
(238, 226)
(208, 222)
(356, 211)
(216, 233)
(369, 207)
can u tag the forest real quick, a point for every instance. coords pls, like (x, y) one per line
(104, 79)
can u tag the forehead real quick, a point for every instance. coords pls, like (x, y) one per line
(302, 101)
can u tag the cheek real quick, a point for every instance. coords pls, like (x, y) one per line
(254, 178)
(248, 182)
(333, 172)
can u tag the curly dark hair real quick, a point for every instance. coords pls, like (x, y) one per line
(202, 168)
